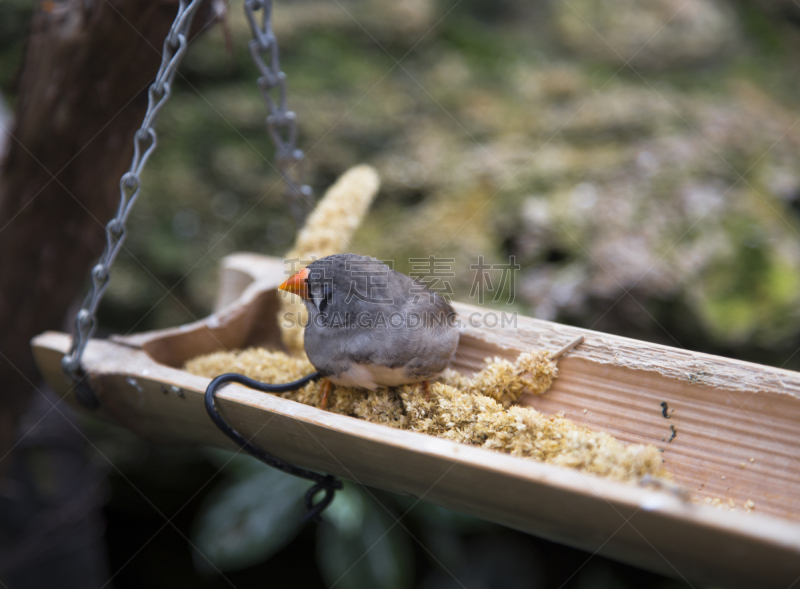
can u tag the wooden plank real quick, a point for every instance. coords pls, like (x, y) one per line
(721, 424)
(725, 413)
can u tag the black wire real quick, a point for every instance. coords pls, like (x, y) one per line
(326, 483)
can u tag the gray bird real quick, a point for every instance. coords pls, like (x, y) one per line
(370, 326)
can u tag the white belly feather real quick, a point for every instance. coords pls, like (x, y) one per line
(370, 376)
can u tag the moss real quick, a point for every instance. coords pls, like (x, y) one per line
(751, 291)
(477, 410)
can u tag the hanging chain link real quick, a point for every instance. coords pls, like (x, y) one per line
(282, 127)
(144, 143)
(281, 123)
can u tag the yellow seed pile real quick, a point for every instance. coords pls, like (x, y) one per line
(472, 410)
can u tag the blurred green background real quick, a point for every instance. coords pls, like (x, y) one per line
(640, 159)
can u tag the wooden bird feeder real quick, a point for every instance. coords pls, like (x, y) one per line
(737, 429)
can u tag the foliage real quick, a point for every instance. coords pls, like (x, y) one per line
(254, 513)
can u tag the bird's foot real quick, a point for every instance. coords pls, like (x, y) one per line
(326, 389)
(426, 388)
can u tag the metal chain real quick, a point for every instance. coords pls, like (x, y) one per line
(144, 143)
(282, 127)
(281, 123)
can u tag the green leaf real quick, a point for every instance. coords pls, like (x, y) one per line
(358, 547)
(249, 517)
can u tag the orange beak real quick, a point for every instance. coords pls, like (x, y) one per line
(297, 284)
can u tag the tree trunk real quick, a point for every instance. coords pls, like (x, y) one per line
(82, 95)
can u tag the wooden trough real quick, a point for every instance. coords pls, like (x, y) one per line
(737, 434)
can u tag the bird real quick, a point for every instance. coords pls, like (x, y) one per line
(370, 326)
